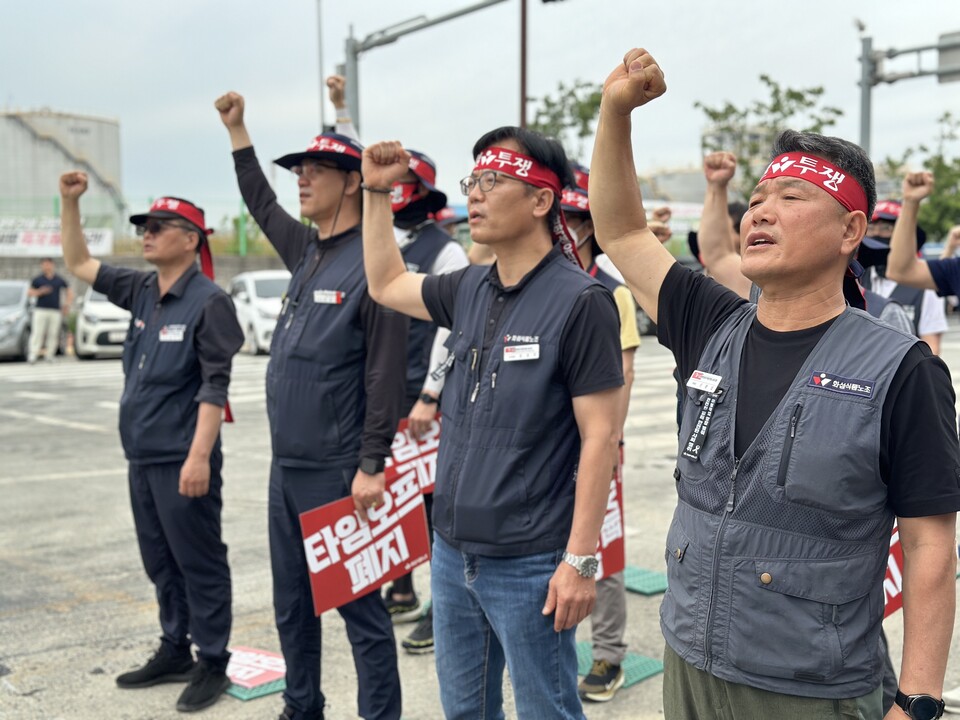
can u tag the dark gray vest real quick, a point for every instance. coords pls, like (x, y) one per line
(316, 399)
(776, 561)
(508, 454)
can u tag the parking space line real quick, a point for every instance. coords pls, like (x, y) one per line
(46, 420)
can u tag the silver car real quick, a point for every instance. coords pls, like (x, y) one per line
(14, 318)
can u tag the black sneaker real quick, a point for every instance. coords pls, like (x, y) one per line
(206, 686)
(602, 683)
(420, 641)
(164, 667)
(402, 611)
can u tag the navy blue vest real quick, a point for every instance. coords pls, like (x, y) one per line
(316, 399)
(158, 409)
(608, 281)
(420, 255)
(506, 471)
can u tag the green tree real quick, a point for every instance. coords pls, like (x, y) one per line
(749, 131)
(569, 116)
(940, 211)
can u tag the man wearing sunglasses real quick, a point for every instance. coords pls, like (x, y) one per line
(335, 386)
(176, 361)
(530, 430)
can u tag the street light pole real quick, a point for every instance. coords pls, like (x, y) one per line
(354, 47)
(867, 74)
(320, 56)
(523, 63)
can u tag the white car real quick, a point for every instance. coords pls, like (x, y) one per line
(101, 327)
(257, 296)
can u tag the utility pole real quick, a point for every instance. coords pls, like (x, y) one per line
(871, 65)
(320, 56)
(523, 63)
(354, 47)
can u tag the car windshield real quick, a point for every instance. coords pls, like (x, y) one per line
(271, 288)
(10, 295)
(97, 297)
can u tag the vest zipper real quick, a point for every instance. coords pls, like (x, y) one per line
(788, 446)
(716, 564)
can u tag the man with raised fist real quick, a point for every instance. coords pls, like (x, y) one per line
(529, 426)
(335, 386)
(176, 362)
(808, 427)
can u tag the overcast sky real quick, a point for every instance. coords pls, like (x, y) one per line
(157, 67)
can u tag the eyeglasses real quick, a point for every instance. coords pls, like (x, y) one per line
(155, 227)
(311, 171)
(486, 181)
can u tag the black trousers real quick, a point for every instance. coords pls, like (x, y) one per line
(184, 557)
(293, 491)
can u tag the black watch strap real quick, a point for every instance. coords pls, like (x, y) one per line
(920, 706)
(371, 466)
(428, 399)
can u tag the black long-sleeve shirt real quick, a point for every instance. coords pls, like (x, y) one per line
(385, 331)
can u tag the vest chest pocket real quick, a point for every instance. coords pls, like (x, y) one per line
(461, 371)
(830, 455)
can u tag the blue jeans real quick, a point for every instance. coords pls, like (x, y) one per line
(487, 616)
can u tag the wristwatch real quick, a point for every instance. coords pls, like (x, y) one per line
(920, 707)
(585, 565)
(371, 466)
(428, 399)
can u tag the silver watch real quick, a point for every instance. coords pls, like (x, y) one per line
(585, 565)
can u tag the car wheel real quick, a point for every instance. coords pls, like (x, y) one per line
(24, 349)
(250, 341)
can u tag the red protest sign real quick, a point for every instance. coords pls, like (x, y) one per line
(250, 668)
(414, 457)
(893, 581)
(611, 552)
(348, 559)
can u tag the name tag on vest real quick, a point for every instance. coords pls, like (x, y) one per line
(328, 297)
(172, 333)
(515, 353)
(705, 381)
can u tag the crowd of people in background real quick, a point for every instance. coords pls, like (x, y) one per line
(813, 411)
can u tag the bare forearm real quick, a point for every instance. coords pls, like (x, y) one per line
(903, 265)
(593, 487)
(208, 429)
(615, 201)
(239, 137)
(713, 235)
(929, 599)
(75, 252)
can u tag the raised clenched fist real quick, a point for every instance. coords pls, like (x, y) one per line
(73, 184)
(634, 82)
(719, 167)
(230, 107)
(337, 87)
(384, 163)
(917, 186)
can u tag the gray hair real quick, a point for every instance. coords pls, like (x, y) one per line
(846, 155)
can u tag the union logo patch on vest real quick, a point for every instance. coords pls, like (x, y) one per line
(842, 385)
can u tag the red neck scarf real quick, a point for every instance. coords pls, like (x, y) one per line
(526, 169)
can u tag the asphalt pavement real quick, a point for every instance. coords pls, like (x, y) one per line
(76, 608)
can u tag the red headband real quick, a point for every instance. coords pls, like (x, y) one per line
(819, 172)
(528, 170)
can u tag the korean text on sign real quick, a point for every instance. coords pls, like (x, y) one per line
(414, 460)
(348, 558)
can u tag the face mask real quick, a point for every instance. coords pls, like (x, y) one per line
(403, 194)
